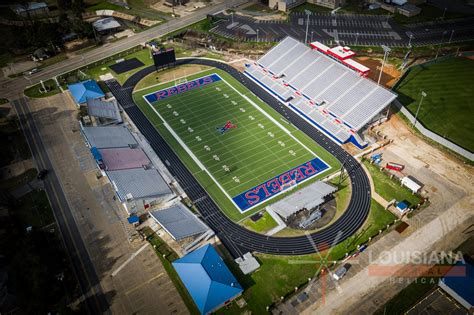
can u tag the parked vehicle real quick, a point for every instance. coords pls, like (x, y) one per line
(340, 273)
(42, 174)
(395, 166)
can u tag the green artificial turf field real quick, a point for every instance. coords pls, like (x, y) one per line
(448, 108)
(261, 146)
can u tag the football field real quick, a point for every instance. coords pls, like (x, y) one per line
(251, 156)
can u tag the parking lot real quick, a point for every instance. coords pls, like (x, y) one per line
(346, 29)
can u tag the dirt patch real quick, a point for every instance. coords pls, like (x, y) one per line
(181, 10)
(421, 157)
(170, 75)
(390, 72)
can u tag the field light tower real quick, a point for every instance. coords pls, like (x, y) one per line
(423, 95)
(386, 50)
(307, 24)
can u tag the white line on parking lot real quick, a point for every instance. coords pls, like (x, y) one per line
(129, 260)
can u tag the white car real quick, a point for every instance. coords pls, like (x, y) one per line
(340, 272)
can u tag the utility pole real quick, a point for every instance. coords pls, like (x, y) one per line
(386, 50)
(444, 13)
(409, 42)
(423, 95)
(357, 37)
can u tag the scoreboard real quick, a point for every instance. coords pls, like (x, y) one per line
(164, 58)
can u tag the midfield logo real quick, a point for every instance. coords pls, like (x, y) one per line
(228, 125)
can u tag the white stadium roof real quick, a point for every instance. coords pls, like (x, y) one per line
(345, 101)
(179, 222)
(307, 198)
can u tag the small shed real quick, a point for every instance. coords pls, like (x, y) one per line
(411, 184)
(402, 207)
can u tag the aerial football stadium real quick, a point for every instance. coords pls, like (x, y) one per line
(239, 140)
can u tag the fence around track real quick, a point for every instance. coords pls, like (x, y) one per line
(235, 237)
(419, 125)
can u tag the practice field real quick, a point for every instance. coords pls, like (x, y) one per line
(448, 107)
(250, 155)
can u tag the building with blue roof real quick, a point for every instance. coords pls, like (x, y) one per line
(207, 279)
(84, 90)
(459, 284)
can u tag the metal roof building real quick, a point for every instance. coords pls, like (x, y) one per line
(207, 279)
(123, 158)
(138, 183)
(307, 198)
(109, 137)
(179, 222)
(105, 25)
(84, 90)
(459, 283)
(103, 109)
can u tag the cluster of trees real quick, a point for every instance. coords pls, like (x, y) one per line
(45, 31)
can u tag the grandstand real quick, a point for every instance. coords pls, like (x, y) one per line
(331, 96)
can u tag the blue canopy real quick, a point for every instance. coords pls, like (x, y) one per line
(133, 219)
(86, 89)
(207, 278)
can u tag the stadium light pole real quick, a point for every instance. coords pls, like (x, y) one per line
(307, 25)
(423, 95)
(386, 50)
(451, 37)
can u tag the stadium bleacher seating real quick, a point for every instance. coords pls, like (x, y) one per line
(331, 96)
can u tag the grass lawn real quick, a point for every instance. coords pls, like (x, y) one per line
(143, 55)
(406, 298)
(248, 176)
(19, 180)
(279, 275)
(10, 132)
(428, 13)
(137, 8)
(34, 91)
(258, 7)
(264, 224)
(310, 7)
(377, 220)
(448, 107)
(33, 209)
(390, 188)
(164, 76)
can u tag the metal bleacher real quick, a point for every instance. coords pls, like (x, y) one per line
(334, 98)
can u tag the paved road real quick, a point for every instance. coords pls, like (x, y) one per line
(94, 300)
(10, 88)
(348, 29)
(237, 238)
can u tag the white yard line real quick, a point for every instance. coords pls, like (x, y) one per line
(201, 165)
(191, 154)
